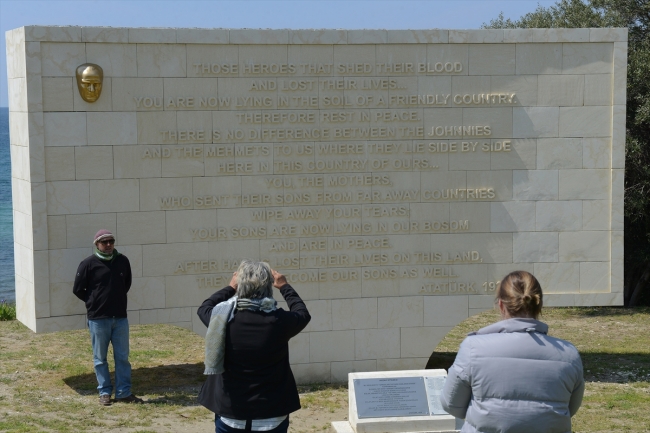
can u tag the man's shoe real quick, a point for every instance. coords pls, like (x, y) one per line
(105, 400)
(130, 399)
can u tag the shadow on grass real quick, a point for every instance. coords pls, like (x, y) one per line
(598, 366)
(177, 384)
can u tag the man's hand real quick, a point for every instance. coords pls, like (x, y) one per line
(233, 280)
(280, 280)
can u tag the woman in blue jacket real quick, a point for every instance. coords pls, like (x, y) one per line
(511, 376)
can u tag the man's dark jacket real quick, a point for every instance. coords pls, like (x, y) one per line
(257, 382)
(103, 286)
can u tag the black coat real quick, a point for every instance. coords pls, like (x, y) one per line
(257, 382)
(103, 286)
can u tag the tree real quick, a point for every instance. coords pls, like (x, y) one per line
(635, 15)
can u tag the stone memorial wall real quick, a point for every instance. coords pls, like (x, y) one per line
(393, 176)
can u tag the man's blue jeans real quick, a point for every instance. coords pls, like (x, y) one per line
(115, 331)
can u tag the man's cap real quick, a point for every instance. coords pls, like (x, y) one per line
(103, 234)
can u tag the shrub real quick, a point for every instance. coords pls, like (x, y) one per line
(7, 311)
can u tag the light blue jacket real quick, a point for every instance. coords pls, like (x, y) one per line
(512, 377)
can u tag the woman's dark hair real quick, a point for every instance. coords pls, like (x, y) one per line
(521, 294)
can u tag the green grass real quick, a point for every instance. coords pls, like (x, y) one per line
(7, 311)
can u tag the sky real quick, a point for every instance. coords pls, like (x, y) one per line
(274, 14)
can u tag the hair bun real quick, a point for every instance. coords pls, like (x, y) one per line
(527, 298)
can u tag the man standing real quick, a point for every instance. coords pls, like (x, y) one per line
(102, 281)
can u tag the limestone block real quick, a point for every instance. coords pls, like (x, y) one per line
(559, 216)
(477, 214)
(585, 121)
(311, 373)
(558, 277)
(596, 58)
(64, 263)
(400, 53)
(467, 280)
(134, 254)
(341, 283)
(535, 184)
(599, 299)
(318, 36)
(52, 33)
(421, 342)
(191, 94)
(202, 36)
(516, 216)
(475, 36)
(618, 136)
(596, 152)
(617, 211)
(584, 246)
(377, 343)
(354, 314)
(320, 311)
(495, 273)
(182, 160)
(22, 196)
(517, 35)
(80, 229)
(192, 290)
(15, 44)
(25, 302)
(598, 89)
(255, 54)
(519, 153)
(147, 293)
(105, 102)
(142, 227)
(120, 195)
(229, 254)
(63, 302)
(561, 90)
(561, 35)
(448, 53)
(20, 162)
(23, 234)
(620, 73)
(299, 348)
(112, 128)
(17, 88)
(105, 34)
(492, 59)
(225, 189)
(93, 162)
(429, 36)
(467, 85)
(499, 180)
(152, 35)
(24, 262)
(137, 162)
(405, 246)
(525, 88)
(399, 181)
(56, 232)
(383, 281)
(117, 60)
(444, 311)
(151, 125)
(221, 56)
(419, 213)
(137, 94)
(161, 60)
(57, 93)
(400, 312)
(492, 247)
(608, 35)
(65, 129)
(159, 260)
(60, 323)
(350, 54)
(536, 247)
(18, 128)
(531, 122)
(559, 153)
(166, 315)
(431, 181)
(594, 277)
(227, 127)
(182, 224)
(259, 36)
(331, 346)
(534, 59)
(596, 214)
(367, 36)
(617, 261)
(33, 60)
(61, 59)
(584, 184)
(340, 370)
(41, 284)
(34, 88)
(402, 364)
(68, 197)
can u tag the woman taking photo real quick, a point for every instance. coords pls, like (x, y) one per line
(250, 386)
(511, 376)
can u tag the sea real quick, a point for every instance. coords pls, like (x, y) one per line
(7, 279)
